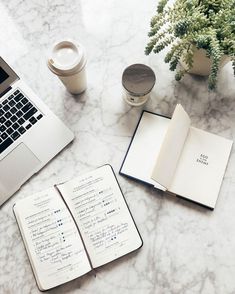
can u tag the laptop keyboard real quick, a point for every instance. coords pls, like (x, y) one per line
(17, 116)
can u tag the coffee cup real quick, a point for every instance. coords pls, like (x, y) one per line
(67, 60)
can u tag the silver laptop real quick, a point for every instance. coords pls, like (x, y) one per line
(30, 134)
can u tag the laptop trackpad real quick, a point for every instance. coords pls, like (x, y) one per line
(17, 167)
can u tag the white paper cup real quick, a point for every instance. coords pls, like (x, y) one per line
(67, 60)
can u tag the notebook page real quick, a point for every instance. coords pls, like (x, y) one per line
(201, 167)
(51, 239)
(171, 148)
(102, 215)
(144, 148)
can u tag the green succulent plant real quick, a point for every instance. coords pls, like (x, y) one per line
(186, 24)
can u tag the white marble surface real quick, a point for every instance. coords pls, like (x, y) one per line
(187, 249)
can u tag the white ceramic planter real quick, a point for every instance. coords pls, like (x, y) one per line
(202, 64)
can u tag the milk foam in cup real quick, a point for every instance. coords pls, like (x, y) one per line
(67, 60)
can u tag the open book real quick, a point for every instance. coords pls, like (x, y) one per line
(77, 226)
(173, 156)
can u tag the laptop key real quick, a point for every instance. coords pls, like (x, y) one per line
(2, 128)
(21, 121)
(13, 110)
(30, 113)
(15, 126)
(39, 117)
(5, 144)
(10, 131)
(6, 107)
(10, 97)
(4, 136)
(27, 107)
(33, 120)
(19, 113)
(24, 100)
(13, 118)
(2, 119)
(4, 101)
(12, 103)
(8, 123)
(15, 136)
(28, 126)
(8, 114)
(18, 97)
(22, 130)
(16, 92)
(19, 105)
(1, 112)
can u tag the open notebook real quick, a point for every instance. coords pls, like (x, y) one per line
(77, 226)
(173, 156)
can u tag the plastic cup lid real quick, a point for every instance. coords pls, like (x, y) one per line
(66, 58)
(138, 79)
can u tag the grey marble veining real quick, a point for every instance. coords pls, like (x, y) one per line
(187, 249)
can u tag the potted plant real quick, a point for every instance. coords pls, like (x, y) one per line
(194, 28)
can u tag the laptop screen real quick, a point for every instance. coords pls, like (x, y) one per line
(7, 76)
(3, 75)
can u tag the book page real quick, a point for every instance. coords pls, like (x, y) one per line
(144, 148)
(201, 167)
(171, 148)
(102, 215)
(51, 239)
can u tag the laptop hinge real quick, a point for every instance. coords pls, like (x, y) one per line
(4, 92)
